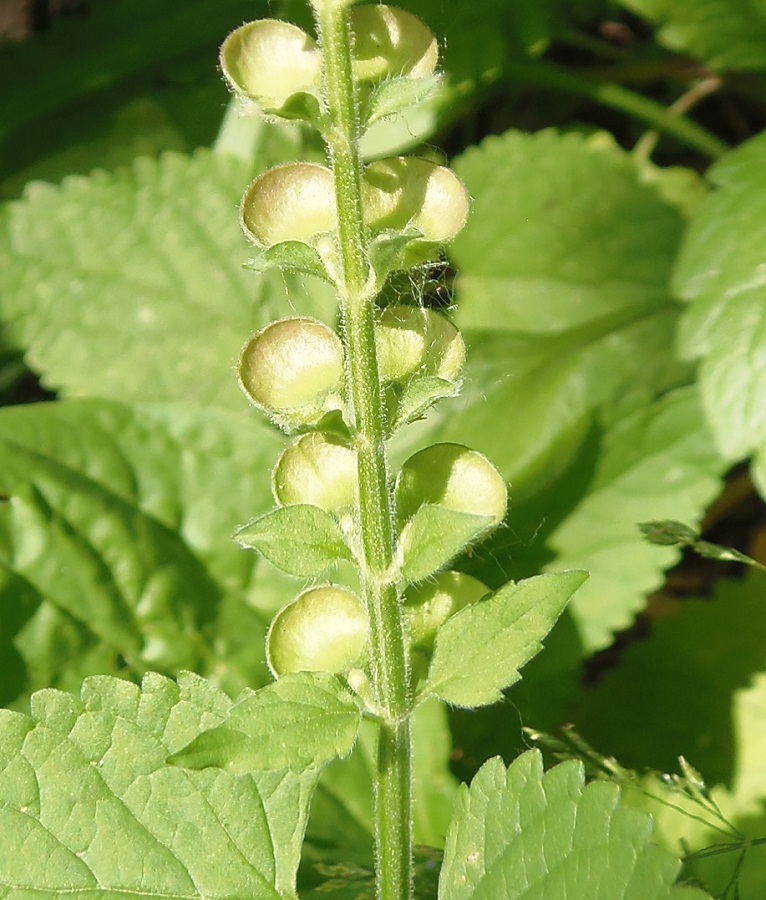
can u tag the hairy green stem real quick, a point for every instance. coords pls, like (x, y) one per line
(393, 807)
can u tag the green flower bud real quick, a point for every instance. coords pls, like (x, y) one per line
(318, 469)
(411, 340)
(428, 606)
(268, 61)
(293, 369)
(390, 43)
(324, 629)
(452, 476)
(292, 202)
(405, 190)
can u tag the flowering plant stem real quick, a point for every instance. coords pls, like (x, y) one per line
(393, 796)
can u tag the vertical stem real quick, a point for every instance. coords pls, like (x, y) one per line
(393, 796)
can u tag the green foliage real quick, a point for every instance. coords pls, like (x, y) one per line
(479, 650)
(725, 34)
(613, 312)
(721, 272)
(522, 833)
(118, 537)
(301, 540)
(85, 782)
(153, 255)
(303, 719)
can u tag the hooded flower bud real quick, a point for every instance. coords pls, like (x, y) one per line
(406, 191)
(318, 469)
(411, 340)
(293, 369)
(268, 61)
(452, 476)
(391, 43)
(293, 202)
(324, 629)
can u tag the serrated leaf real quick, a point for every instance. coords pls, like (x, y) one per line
(434, 536)
(84, 781)
(656, 461)
(117, 531)
(721, 272)
(154, 254)
(300, 539)
(576, 841)
(725, 34)
(303, 719)
(479, 651)
(564, 267)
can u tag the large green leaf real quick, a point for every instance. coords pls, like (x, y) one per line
(562, 293)
(725, 34)
(655, 462)
(90, 808)
(130, 285)
(118, 532)
(524, 834)
(303, 719)
(721, 273)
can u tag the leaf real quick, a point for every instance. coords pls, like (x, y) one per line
(677, 533)
(117, 531)
(434, 536)
(90, 53)
(563, 268)
(289, 256)
(720, 273)
(154, 255)
(656, 461)
(300, 539)
(725, 34)
(575, 840)
(303, 719)
(84, 781)
(419, 395)
(479, 651)
(398, 94)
